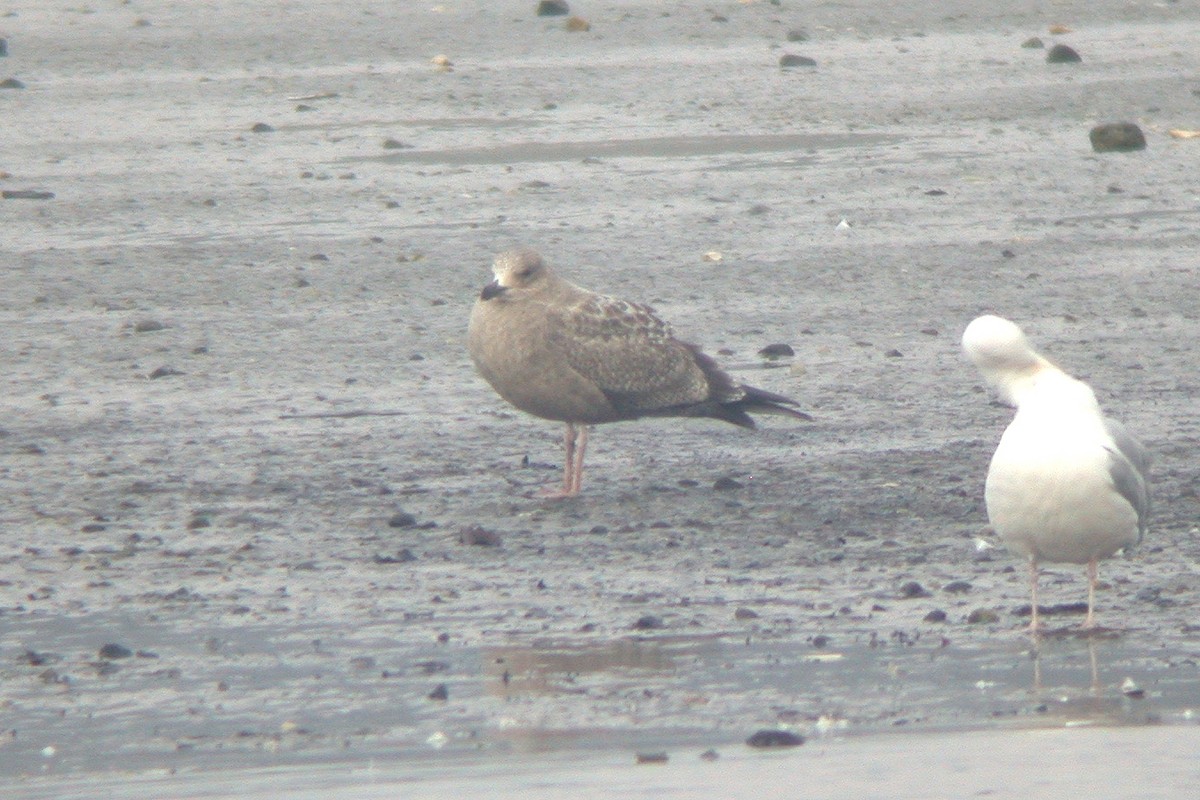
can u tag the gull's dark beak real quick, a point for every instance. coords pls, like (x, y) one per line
(493, 289)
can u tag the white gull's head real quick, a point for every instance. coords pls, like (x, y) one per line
(1002, 353)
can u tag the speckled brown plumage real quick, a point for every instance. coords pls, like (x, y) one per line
(563, 353)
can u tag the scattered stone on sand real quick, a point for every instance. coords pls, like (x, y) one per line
(820, 641)
(402, 519)
(893, 353)
(709, 755)
(148, 326)
(479, 535)
(441, 63)
(395, 144)
(912, 589)
(726, 484)
(1183, 133)
(1059, 30)
(649, 622)
(788, 60)
(577, 25)
(3, 47)
(745, 613)
(11, 83)
(1033, 43)
(1062, 54)
(775, 738)
(305, 107)
(27, 194)
(261, 127)
(957, 587)
(553, 8)
(982, 616)
(651, 758)
(797, 35)
(113, 651)
(1130, 689)
(440, 692)
(1117, 137)
(937, 615)
(165, 371)
(403, 557)
(778, 350)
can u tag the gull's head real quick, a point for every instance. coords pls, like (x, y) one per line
(522, 268)
(1002, 353)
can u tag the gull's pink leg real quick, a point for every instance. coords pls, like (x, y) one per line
(577, 470)
(572, 463)
(1090, 622)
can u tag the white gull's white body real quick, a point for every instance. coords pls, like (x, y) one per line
(1066, 484)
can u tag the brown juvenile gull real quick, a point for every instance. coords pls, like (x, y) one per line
(563, 353)
(1066, 483)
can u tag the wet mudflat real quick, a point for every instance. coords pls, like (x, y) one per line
(305, 595)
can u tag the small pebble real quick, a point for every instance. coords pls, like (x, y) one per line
(1033, 43)
(1062, 54)
(148, 326)
(982, 616)
(577, 25)
(553, 8)
(651, 758)
(26, 194)
(957, 587)
(775, 738)
(1131, 689)
(649, 622)
(1117, 137)
(797, 35)
(11, 83)
(777, 351)
(937, 615)
(440, 692)
(912, 589)
(745, 613)
(114, 651)
(789, 60)
(261, 127)
(478, 535)
(402, 519)
(726, 484)
(395, 144)
(709, 755)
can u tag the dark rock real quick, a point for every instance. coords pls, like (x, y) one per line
(709, 755)
(11, 83)
(148, 326)
(937, 615)
(797, 35)
(1033, 43)
(1117, 137)
(115, 651)
(402, 519)
(1061, 54)
(912, 589)
(261, 127)
(403, 557)
(788, 60)
(302, 107)
(936, 193)
(440, 692)
(774, 738)
(479, 535)
(553, 8)
(745, 613)
(3, 47)
(982, 616)
(199, 521)
(394, 144)
(649, 622)
(894, 354)
(1058, 609)
(35, 659)
(26, 194)
(726, 484)
(777, 351)
(165, 371)
(957, 587)
(651, 758)
(820, 640)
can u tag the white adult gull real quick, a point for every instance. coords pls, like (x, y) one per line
(563, 353)
(1066, 483)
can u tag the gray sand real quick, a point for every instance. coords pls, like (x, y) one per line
(176, 491)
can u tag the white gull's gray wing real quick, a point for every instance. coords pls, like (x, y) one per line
(1129, 465)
